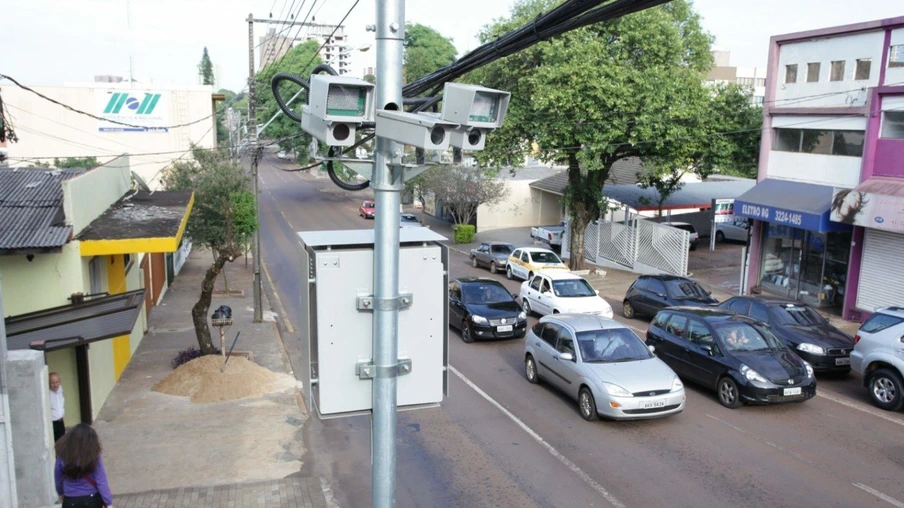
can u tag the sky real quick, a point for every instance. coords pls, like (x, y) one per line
(53, 42)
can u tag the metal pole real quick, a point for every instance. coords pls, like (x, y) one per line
(252, 146)
(8, 494)
(387, 185)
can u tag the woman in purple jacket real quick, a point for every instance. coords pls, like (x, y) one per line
(79, 473)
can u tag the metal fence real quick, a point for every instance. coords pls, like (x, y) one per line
(640, 246)
(663, 247)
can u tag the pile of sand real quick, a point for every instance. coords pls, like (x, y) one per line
(202, 381)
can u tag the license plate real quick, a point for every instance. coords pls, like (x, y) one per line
(843, 361)
(791, 391)
(506, 328)
(653, 404)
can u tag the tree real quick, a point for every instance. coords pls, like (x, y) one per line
(205, 69)
(300, 60)
(425, 51)
(462, 190)
(223, 219)
(75, 163)
(370, 78)
(641, 96)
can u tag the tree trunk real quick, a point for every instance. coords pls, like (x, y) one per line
(199, 311)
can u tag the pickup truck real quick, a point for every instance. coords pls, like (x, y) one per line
(551, 235)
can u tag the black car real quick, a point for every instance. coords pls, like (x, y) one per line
(801, 328)
(483, 309)
(734, 355)
(651, 293)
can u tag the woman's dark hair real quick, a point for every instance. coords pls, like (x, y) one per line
(838, 200)
(79, 449)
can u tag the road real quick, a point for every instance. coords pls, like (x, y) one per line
(497, 440)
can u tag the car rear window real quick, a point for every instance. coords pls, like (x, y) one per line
(685, 289)
(794, 314)
(369, 205)
(685, 227)
(878, 322)
(502, 249)
(545, 257)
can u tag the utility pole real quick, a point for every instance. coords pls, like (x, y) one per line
(387, 184)
(8, 493)
(252, 147)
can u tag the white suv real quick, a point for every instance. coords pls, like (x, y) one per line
(879, 357)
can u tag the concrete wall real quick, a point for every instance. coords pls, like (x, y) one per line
(29, 404)
(87, 196)
(46, 281)
(832, 170)
(895, 75)
(519, 209)
(551, 210)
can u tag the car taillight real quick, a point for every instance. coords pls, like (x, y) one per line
(856, 338)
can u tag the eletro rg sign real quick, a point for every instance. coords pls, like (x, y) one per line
(144, 111)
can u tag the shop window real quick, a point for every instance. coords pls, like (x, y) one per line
(837, 71)
(787, 140)
(813, 72)
(847, 143)
(861, 71)
(896, 56)
(825, 142)
(819, 142)
(893, 124)
(791, 73)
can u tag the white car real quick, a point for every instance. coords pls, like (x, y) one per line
(773, 264)
(526, 261)
(735, 230)
(282, 155)
(558, 291)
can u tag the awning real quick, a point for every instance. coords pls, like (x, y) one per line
(144, 222)
(876, 203)
(795, 204)
(75, 324)
(690, 195)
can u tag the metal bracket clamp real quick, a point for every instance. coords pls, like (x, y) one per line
(369, 303)
(367, 370)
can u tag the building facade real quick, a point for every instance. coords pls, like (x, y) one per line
(334, 51)
(753, 79)
(828, 209)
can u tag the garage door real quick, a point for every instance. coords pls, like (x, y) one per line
(881, 272)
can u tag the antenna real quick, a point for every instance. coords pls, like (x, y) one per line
(139, 182)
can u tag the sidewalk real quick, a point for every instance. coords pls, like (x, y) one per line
(163, 450)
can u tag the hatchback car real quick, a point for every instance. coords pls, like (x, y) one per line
(603, 365)
(483, 309)
(684, 226)
(493, 255)
(525, 262)
(801, 328)
(558, 291)
(734, 230)
(734, 355)
(651, 293)
(879, 357)
(367, 209)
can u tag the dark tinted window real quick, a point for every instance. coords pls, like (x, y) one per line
(538, 329)
(655, 286)
(684, 227)
(661, 319)
(611, 345)
(455, 290)
(545, 257)
(699, 333)
(550, 334)
(482, 293)
(685, 289)
(739, 305)
(796, 314)
(566, 343)
(677, 325)
(544, 287)
(517, 254)
(738, 336)
(502, 249)
(535, 284)
(758, 311)
(640, 284)
(878, 322)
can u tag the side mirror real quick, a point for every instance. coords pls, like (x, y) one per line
(597, 292)
(515, 295)
(566, 357)
(652, 348)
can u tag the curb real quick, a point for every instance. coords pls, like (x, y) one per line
(281, 313)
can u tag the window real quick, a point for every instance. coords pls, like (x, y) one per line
(655, 286)
(502, 249)
(535, 284)
(537, 329)
(611, 345)
(825, 142)
(574, 288)
(816, 141)
(758, 100)
(786, 140)
(546, 257)
(455, 291)
(517, 254)
(745, 82)
(893, 124)
(878, 322)
(861, 71)
(661, 319)
(739, 305)
(812, 72)
(677, 325)
(760, 81)
(550, 334)
(896, 56)
(566, 343)
(525, 256)
(484, 248)
(848, 143)
(791, 73)
(640, 284)
(544, 288)
(758, 312)
(837, 71)
(699, 334)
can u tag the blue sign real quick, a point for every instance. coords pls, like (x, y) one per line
(782, 216)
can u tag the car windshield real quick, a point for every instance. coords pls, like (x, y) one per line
(685, 289)
(742, 337)
(502, 249)
(611, 346)
(544, 257)
(369, 205)
(409, 218)
(485, 293)
(795, 314)
(572, 288)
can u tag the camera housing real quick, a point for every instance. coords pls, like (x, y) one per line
(415, 129)
(474, 106)
(336, 107)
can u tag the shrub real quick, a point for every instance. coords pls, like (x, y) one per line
(187, 355)
(464, 233)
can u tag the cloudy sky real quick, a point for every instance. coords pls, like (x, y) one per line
(51, 42)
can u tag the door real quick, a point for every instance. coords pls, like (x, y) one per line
(671, 348)
(483, 254)
(567, 369)
(546, 350)
(533, 291)
(701, 367)
(456, 308)
(544, 297)
(654, 297)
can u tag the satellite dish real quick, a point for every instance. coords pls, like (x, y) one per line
(139, 182)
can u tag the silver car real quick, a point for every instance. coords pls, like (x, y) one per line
(734, 230)
(878, 356)
(492, 255)
(603, 365)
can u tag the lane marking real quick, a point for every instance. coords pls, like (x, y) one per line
(889, 499)
(860, 407)
(555, 453)
(282, 310)
(774, 445)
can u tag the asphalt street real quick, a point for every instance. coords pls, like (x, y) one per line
(497, 440)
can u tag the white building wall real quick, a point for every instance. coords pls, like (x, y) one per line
(833, 170)
(895, 75)
(48, 130)
(519, 209)
(848, 48)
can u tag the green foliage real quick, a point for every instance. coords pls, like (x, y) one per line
(223, 217)
(461, 190)
(370, 78)
(205, 69)
(426, 50)
(76, 163)
(300, 60)
(464, 233)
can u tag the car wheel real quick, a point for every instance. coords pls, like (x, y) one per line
(493, 267)
(587, 405)
(525, 306)
(728, 393)
(720, 237)
(508, 273)
(885, 388)
(474, 261)
(530, 370)
(466, 333)
(628, 310)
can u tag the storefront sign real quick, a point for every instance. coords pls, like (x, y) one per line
(780, 216)
(869, 210)
(723, 211)
(142, 111)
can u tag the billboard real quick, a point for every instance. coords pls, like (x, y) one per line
(145, 111)
(723, 211)
(878, 211)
